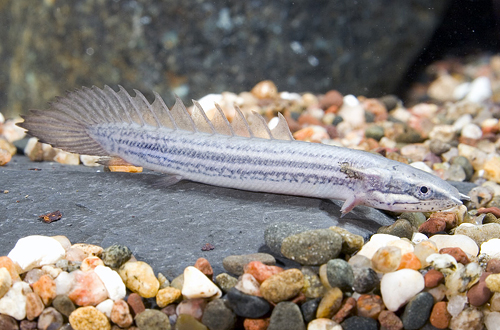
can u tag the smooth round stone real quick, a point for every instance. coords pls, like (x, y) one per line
(87, 289)
(423, 250)
(313, 288)
(120, 314)
(112, 281)
(277, 232)
(286, 315)
(323, 324)
(375, 132)
(218, 316)
(493, 282)
(106, 307)
(386, 259)
(8, 323)
(351, 243)
(198, 285)
(416, 219)
(116, 255)
(438, 147)
(492, 320)
(465, 164)
(417, 311)
(235, 264)
(64, 305)
(359, 323)
(193, 307)
(330, 303)
(226, 282)
(312, 247)
(365, 280)
(88, 318)
(469, 319)
(188, 322)
(13, 303)
(401, 228)
(398, 287)
(309, 309)
(245, 305)
(36, 251)
(248, 284)
(340, 274)
(479, 294)
(139, 277)
(152, 319)
(440, 317)
(282, 286)
(472, 131)
(50, 319)
(464, 242)
(376, 242)
(5, 281)
(167, 296)
(34, 306)
(491, 248)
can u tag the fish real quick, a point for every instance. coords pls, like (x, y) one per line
(242, 154)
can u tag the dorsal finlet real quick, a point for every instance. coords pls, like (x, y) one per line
(203, 124)
(221, 123)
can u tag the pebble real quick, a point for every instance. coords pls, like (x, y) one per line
(313, 288)
(359, 323)
(415, 218)
(204, 266)
(167, 296)
(351, 243)
(433, 278)
(339, 274)
(375, 132)
(64, 282)
(8, 264)
(376, 242)
(390, 321)
(365, 280)
(178, 282)
(105, 307)
(112, 282)
(456, 253)
(323, 324)
(276, 233)
(188, 322)
(309, 309)
(440, 317)
(256, 324)
(410, 260)
(282, 286)
(135, 302)
(261, 271)
(330, 303)
(398, 287)
(369, 305)
(13, 303)
(432, 226)
(312, 247)
(90, 250)
(88, 318)
(225, 281)
(465, 164)
(386, 259)
(286, 315)
(152, 319)
(120, 314)
(36, 251)
(245, 305)
(248, 284)
(265, 89)
(439, 147)
(400, 228)
(491, 248)
(218, 316)
(197, 285)
(467, 244)
(87, 289)
(8, 323)
(50, 319)
(492, 282)
(64, 305)
(235, 264)
(469, 319)
(479, 294)
(5, 281)
(492, 320)
(34, 306)
(116, 255)
(26, 325)
(417, 311)
(45, 288)
(139, 277)
(347, 308)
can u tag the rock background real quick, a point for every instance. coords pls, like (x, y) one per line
(193, 47)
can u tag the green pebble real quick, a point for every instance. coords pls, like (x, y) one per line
(225, 281)
(116, 255)
(375, 132)
(188, 322)
(416, 219)
(152, 319)
(400, 228)
(312, 247)
(490, 218)
(178, 282)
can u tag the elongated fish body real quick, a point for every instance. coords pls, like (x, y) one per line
(243, 154)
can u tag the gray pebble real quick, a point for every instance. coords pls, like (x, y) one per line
(416, 219)
(439, 147)
(359, 323)
(365, 280)
(225, 281)
(339, 274)
(235, 264)
(217, 316)
(417, 311)
(465, 164)
(116, 255)
(152, 319)
(456, 173)
(312, 247)
(400, 228)
(245, 305)
(309, 309)
(286, 315)
(26, 325)
(63, 304)
(277, 232)
(390, 101)
(375, 132)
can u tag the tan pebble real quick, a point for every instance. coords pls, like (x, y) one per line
(10, 266)
(282, 286)
(127, 169)
(34, 150)
(45, 287)
(34, 306)
(6, 145)
(309, 99)
(350, 242)
(330, 304)
(89, 249)
(88, 318)
(5, 157)
(493, 282)
(164, 282)
(75, 254)
(67, 158)
(90, 263)
(167, 296)
(492, 169)
(178, 282)
(120, 314)
(423, 250)
(49, 153)
(139, 277)
(5, 281)
(386, 259)
(265, 90)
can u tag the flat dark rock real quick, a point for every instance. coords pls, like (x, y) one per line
(163, 226)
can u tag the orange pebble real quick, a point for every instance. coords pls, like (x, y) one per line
(260, 271)
(410, 260)
(256, 324)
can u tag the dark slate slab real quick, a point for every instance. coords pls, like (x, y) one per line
(164, 226)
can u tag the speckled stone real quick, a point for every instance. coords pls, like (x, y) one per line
(313, 288)
(116, 255)
(226, 282)
(469, 319)
(417, 311)
(347, 308)
(286, 315)
(351, 243)
(218, 316)
(312, 247)
(120, 314)
(29, 325)
(309, 309)
(480, 233)
(152, 319)
(493, 266)
(64, 305)
(359, 323)
(369, 305)
(235, 264)
(282, 286)
(390, 321)
(88, 318)
(340, 274)
(167, 296)
(277, 232)
(365, 280)
(245, 305)
(400, 228)
(139, 277)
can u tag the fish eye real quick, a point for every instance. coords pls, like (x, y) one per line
(424, 191)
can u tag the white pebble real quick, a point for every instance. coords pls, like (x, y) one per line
(112, 281)
(404, 245)
(472, 131)
(351, 100)
(466, 243)
(207, 102)
(462, 121)
(445, 133)
(418, 237)
(398, 287)
(64, 282)
(323, 324)
(492, 320)
(461, 91)
(480, 90)
(442, 262)
(197, 285)
(248, 284)
(14, 301)
(35, 251)
(422, 166)
(105, 307)
(456, 304)
(491, 248)
(376, 242)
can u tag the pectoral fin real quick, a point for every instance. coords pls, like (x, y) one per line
(349, 204)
